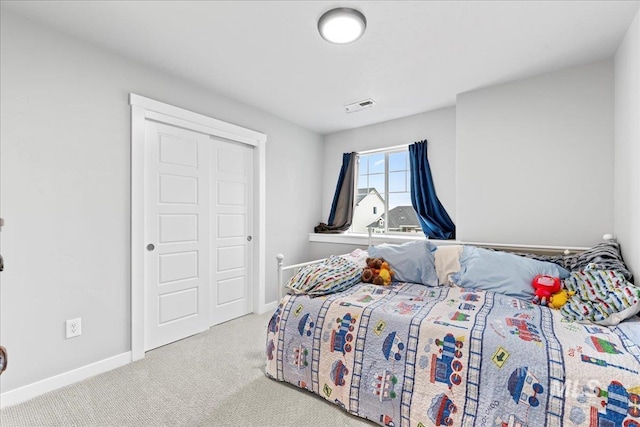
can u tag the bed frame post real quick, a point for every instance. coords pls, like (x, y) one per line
(280, 259)
(370, 230)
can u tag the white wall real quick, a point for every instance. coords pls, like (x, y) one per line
(627, 147)
(65, 190)
(438, 127)
(534, 159)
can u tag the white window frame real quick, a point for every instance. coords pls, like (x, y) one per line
(387, 151)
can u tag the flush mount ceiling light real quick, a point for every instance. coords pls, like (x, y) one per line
(342, 25)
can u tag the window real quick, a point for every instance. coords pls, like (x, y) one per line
(383, 198)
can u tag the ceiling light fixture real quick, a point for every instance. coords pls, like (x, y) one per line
(342, 25)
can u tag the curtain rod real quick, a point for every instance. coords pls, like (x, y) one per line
(380, 150)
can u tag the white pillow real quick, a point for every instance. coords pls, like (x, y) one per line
(447, 260)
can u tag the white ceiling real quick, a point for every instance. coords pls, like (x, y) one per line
(415, 56)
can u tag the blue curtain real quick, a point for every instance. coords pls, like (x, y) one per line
(341, 214)
(433, 217)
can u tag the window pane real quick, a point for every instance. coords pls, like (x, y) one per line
(398, 161)
(398, 181)
(370, 205)
(377, 182)
(399, 199)
(402, 217)
(368, 212)
(362, 182)
(363, 161)
(376, 163)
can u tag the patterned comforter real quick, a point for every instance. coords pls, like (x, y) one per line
(412, 355)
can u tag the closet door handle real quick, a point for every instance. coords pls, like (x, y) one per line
(150, 247)
(249, 238)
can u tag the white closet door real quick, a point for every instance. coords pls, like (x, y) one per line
(177, 233)
(232, 199)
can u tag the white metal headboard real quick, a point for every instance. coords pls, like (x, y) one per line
(509, 247)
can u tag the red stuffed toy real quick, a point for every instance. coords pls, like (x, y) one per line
(545, 286)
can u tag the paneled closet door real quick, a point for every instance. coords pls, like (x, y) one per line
(177, 234)
(232, 207)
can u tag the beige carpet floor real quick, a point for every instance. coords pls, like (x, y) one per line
(215, 378)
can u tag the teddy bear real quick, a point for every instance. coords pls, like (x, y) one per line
(377, 272)
(370, 272)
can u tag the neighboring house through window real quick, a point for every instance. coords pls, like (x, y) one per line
(369, 206)
(383, 199)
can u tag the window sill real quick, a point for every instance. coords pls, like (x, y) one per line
(361, 239)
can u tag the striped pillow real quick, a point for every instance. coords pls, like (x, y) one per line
(606, 255)
(334, 274)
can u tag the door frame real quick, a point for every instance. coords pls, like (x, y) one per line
(143, 109)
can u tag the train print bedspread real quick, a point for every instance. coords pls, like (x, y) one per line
(412, 355)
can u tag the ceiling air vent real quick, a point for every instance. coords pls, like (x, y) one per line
(357, 106)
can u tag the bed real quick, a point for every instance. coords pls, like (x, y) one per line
(425, 354)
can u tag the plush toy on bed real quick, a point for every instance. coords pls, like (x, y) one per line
(377, 272)
(545, 286)
(560, 298)
(385, 273)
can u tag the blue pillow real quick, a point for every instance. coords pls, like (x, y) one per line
(502, 272)
(411, 262)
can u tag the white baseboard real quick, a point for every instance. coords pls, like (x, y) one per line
(21, 394)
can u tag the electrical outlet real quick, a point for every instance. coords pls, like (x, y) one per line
(74, 327)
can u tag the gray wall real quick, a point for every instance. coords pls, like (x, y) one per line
(438, 127)
(527, 162)
(65, 191)
(627, 146)
(534, 159)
